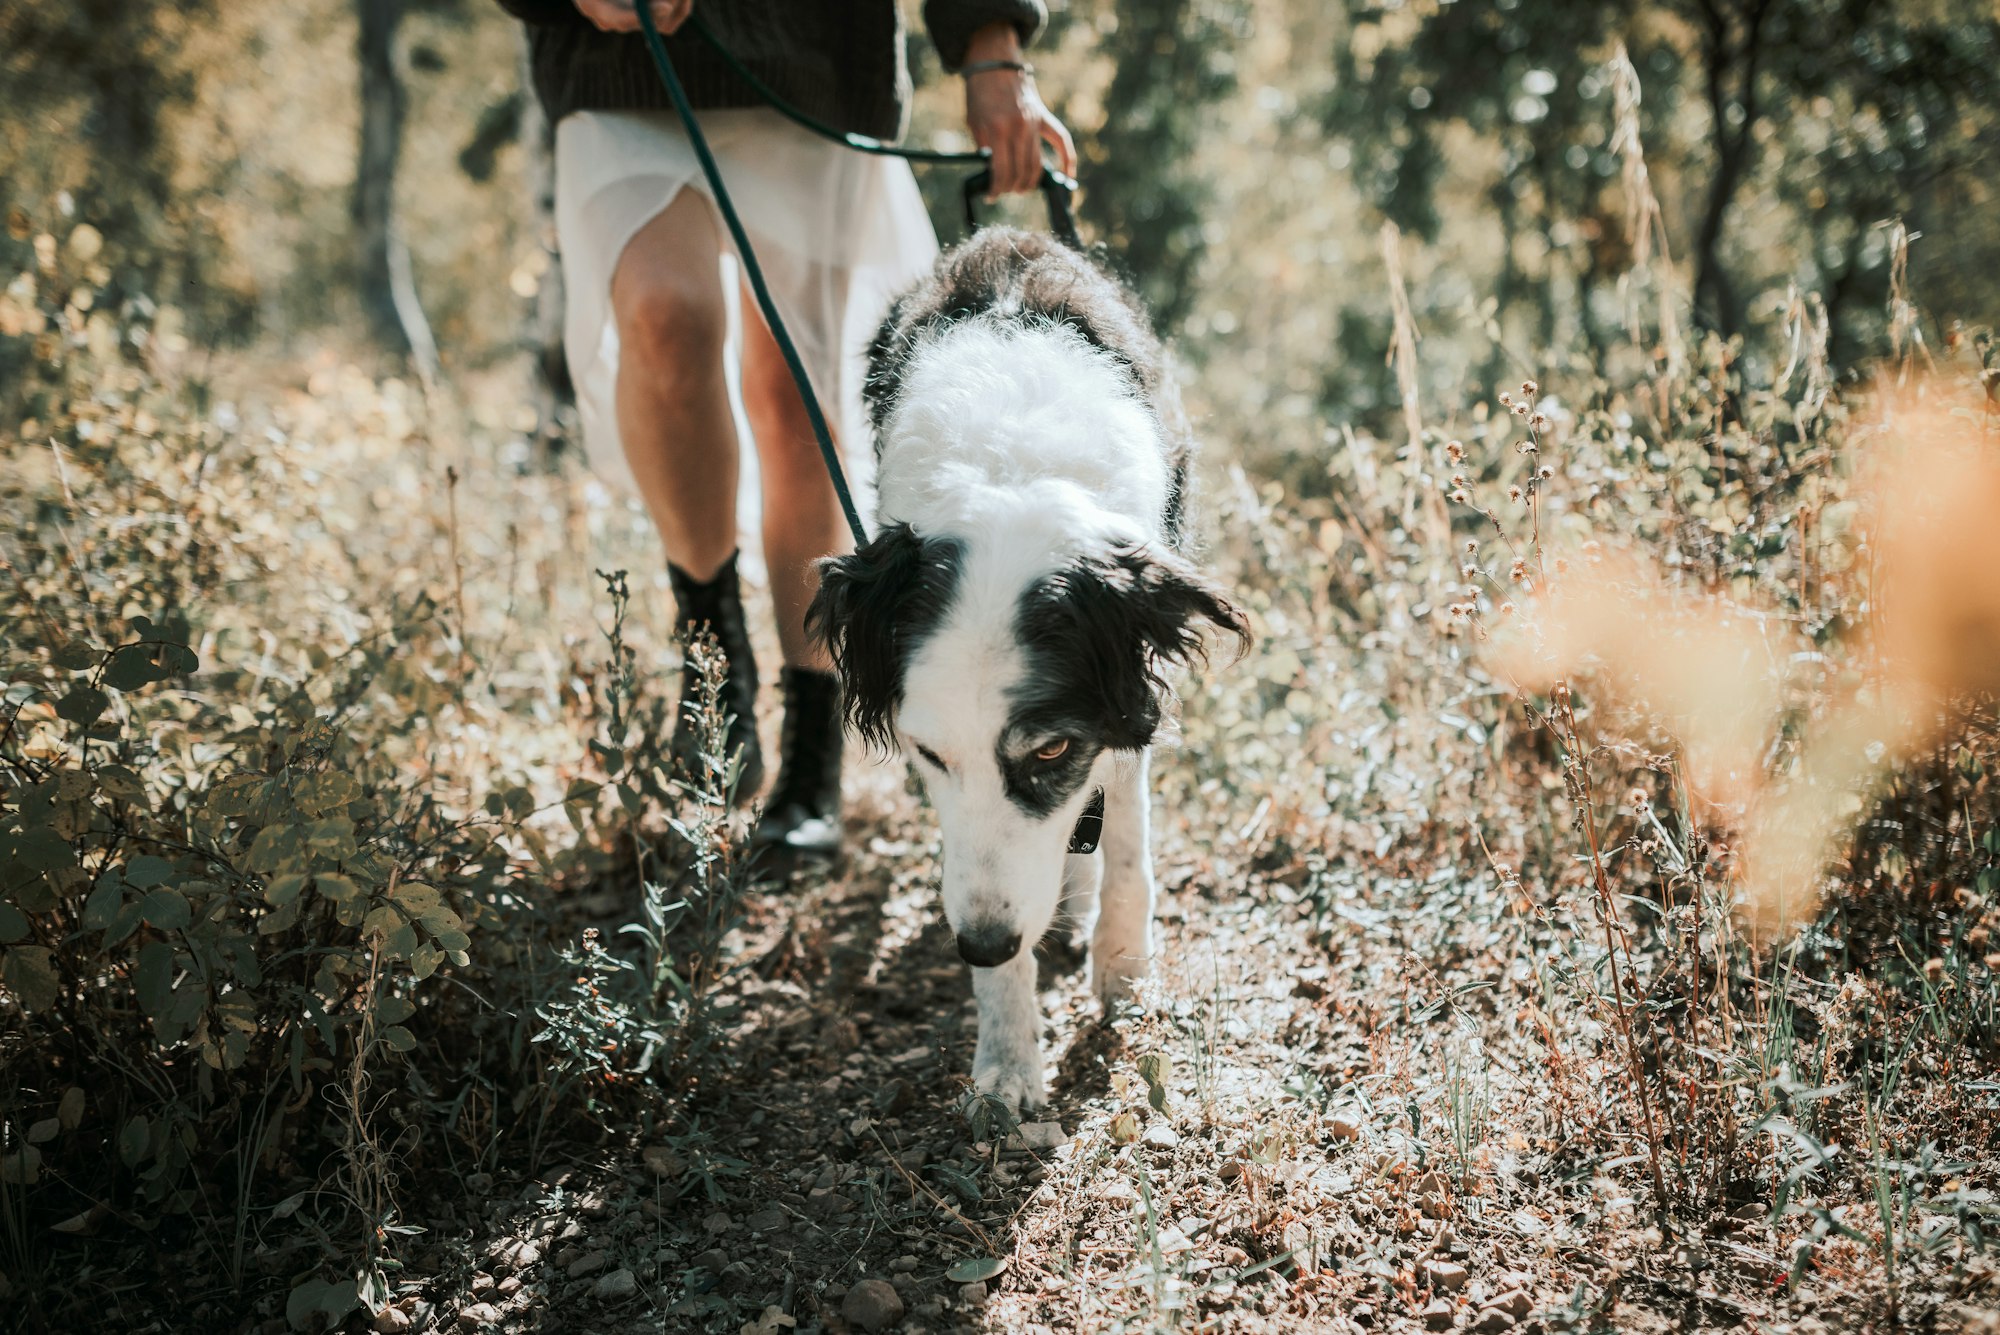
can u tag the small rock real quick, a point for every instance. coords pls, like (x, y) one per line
(479, 1316)
(1343, 1127)
(587, 1264)
(393, 1321)
(522, 1256)
(823, 1203)
(714, 1260)
(1447, 1275)
(1491, 1322)
(663, 1161)
(1515, 1303)
(719, 1222)
(1439, 1315)
(903, 1265)
(479, 1184)
(482, 1284)
(766, 1220)
(1040, 1136)
(894, 1098)
(509, 1286)
(972, 1295)
(617, 1285)
(1161, 1136)
(873, 1305)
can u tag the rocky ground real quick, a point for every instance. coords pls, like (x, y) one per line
(1258, 1147)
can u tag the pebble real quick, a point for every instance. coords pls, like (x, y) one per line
(479, 1316)
(764, 1221)
(587, 1264)
(1439, 1315)
(1515, 1303)
(393, 1321)
(974, 1294)
(719, 1222)
(714, 1260)
(1162, 1136)
(662, 1161)
(1447, 1275)
(619, 1284)
(873, 1305)
(1491, 1322)
(823, 1203)
(1042, 1135)
(903, 1265)
(1343, 1128)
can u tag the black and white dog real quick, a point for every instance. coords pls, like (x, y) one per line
(1011, 622)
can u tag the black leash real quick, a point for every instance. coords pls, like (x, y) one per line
(1056, 190)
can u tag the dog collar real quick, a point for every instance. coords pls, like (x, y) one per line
(1089, 826)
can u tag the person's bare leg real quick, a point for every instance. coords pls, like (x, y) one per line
(680, 439)
(801, 516)
(673, 405)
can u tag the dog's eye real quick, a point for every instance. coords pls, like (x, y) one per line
(1053, 750)
(929, 755)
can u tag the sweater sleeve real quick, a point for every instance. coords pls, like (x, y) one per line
(541, 11)
(952, 22)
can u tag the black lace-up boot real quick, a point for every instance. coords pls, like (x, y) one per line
(801, 825)
(716, 605)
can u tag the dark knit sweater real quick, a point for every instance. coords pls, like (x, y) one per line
(839, 60)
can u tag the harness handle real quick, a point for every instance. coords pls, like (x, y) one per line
(1057, 190)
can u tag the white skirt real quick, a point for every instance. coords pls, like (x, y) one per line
(838, 234)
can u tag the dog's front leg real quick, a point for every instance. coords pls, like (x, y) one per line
(1121, 949)
(1008, 1062)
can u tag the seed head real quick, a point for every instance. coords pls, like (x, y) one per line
(1506, 399)
(1507, 608)
(1638, 799)
(1934, 969)
(1539, 421)
(1530, 387)
(1545, 472)
(1514, 492)
(1520, 410)
(1462, 496)
(1519, 571)
(1454, 450)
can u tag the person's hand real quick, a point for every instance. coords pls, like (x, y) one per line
(621, 16)
(1006, 115)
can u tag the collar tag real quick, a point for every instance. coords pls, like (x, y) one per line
(1089, 826)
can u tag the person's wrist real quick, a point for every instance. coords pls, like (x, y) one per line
(994, 42)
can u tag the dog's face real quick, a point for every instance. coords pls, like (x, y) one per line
(1011, 687)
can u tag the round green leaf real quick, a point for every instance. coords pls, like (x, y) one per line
(976, 1269)
(167, 909)
(13, 923)
(83, 704)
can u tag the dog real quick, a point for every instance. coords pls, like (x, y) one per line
(1012, 622)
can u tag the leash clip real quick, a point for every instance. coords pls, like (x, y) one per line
(1089, 826)
(1058, 192)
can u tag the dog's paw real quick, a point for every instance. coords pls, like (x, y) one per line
(1115, 976)
(1014, 1081)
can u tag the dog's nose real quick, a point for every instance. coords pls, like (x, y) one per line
(988, 945)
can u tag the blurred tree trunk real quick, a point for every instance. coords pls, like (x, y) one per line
(1142, 197)
(555, 392)
(388, 291)
(1732, 55)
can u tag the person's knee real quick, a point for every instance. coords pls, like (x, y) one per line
(673, 324)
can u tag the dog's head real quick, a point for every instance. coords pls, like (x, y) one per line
(1013, 687)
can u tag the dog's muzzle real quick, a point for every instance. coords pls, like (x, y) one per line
(989, 945)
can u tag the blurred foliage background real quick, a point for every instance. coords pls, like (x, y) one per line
(1238, 158)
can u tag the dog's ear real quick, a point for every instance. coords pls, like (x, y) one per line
(873, 609)
(1115, 622)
